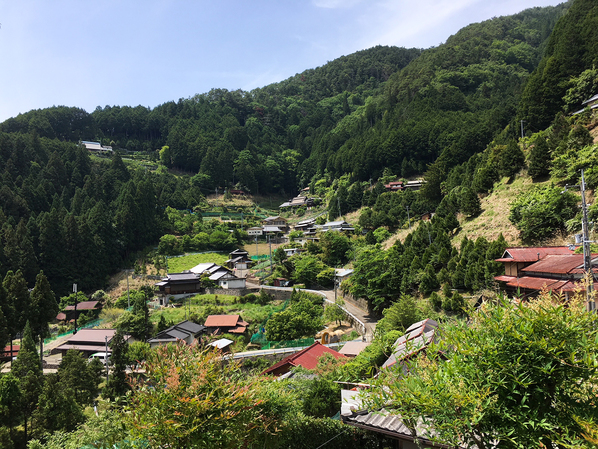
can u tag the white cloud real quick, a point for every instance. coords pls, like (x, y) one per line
(411, 23)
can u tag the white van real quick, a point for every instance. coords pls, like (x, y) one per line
(103, 356)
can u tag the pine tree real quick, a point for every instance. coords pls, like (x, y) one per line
(511, 160)
(539, 159)
(117, 384)
(82, 377)
(43, 309)
(17, 302)
(27, 369)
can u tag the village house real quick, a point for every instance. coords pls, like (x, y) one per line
(238, 260)
(337, 226)
(227, 280)
(70, 313)
(531, 270)
(179, 283)
(255, 231)
(298, 201)
(394, 186)
(186, 332)
(90, 341)
(416, 338)
(275, 222)
(307, 358)
(225, 324)
(96, 147)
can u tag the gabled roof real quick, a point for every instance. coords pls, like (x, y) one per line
(238, 252)
(307, 222)
(272, 229)
(200, 268)
(223, 320)
(181, 277)
(559, 264)
(222, 275)
(417, 336)
(277, 218)
(595, 97)
(84, 305)
(533, 254)
(179, 331)
(307, 358)
(353, 348)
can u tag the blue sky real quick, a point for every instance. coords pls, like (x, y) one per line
(107, 52)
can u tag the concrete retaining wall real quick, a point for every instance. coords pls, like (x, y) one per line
(232, 291)
(357, 302)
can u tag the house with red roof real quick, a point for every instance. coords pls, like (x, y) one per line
(531, 270)
(307, 358)
(225, 324)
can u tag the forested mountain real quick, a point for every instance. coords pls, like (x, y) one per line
(408, 111)
(572, 48)
(383, 107)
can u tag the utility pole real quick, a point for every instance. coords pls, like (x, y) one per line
(75, 292)
(408, 218)
(270, 242)
(106, 357)
(522, 122)
(587, 252)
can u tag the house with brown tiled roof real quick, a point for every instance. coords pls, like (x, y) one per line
(225, 324)
(69, 313)
(89, 341)
(307, 358)
(531, 270)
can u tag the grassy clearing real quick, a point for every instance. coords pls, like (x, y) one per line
(495, 216)
(179, 264)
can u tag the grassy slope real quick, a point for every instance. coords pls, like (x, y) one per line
(495, 216)
(178, 264)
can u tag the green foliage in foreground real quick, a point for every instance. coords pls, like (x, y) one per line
(515, 376)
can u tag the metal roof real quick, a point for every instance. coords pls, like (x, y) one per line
(182, 277)
(537, 283)
(222, 343)
(532, 254)
(559, 264)
(222, 320)
(307, 358)
(385, 422)
(353, 348)
(84, 305)
(92, 335)
(200, 268)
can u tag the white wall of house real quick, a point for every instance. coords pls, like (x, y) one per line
(232, 283)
